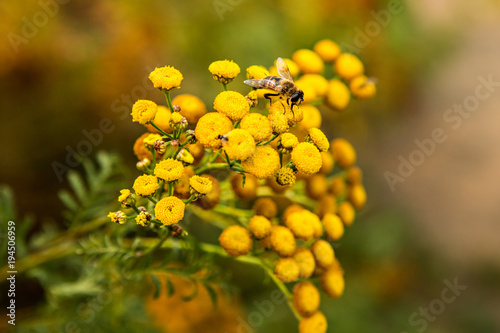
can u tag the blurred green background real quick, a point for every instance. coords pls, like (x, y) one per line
(90, 60)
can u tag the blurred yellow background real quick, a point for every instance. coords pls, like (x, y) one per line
(65, 66)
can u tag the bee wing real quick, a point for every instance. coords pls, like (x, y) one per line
(282, 68)
(261, 83)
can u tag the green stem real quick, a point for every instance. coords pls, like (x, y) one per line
(170, 189)
(153, 153)
(191, 198)
(161, 131)
(266, 142)
(211, 166)
(152, 200)
(225, 86)
(169, 101)
(237, 124)
(159, 243)
(283, 288)
(233, 211)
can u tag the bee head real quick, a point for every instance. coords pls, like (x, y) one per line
(297, 98)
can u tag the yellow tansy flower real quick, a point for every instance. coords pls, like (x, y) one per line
(282, 241)
(308, 88)
(279, 122)
(338, 186)
(348, 66)
(162, 120)
(318, 138)
(144, 111)
(318, 82)
(126, 198)
(145, 185)
(166, 78)
(327, 162)
(197, 150)
(308, 61)
(332, 282)
(343, 152)
(306, 158)
(316, 186)
(285, 176)
(323, 253)
(224, 71)
(282, 107)
(288, 141)
(287, 270)
(185, 157)
(236, 241)
(290, 210)
(169, 210)
(363, 87)
(314, 324)
(252, 98)
(143, 219)
(346, 212)
(326, 205)
(338, 95)
(306, 262)
(263, 163)
(232, 104)
(300, 225)
(259, 226)
(169, 170)
(312, 117)
(150, 139)
(265, 207)
(257, 125)
(247, 192)
(306, 298)
(334, 227)
(181, 189)
(327, 49)
(357, 196)
(192, 107)
(118, 217)
(210, 126)
(200, 185)
(212, 198)
(257, 72)
(238, 144)
(354, 175)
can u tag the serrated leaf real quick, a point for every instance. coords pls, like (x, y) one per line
(243, 179)
(212, 293)
(77, 184)
(157, 284)
(170, 286)
(68, 200)
(91, 173)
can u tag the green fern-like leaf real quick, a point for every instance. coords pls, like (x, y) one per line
(91, 193)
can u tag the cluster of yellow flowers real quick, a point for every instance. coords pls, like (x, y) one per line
(270, 151)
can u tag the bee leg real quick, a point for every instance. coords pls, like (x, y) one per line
(268, 96)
